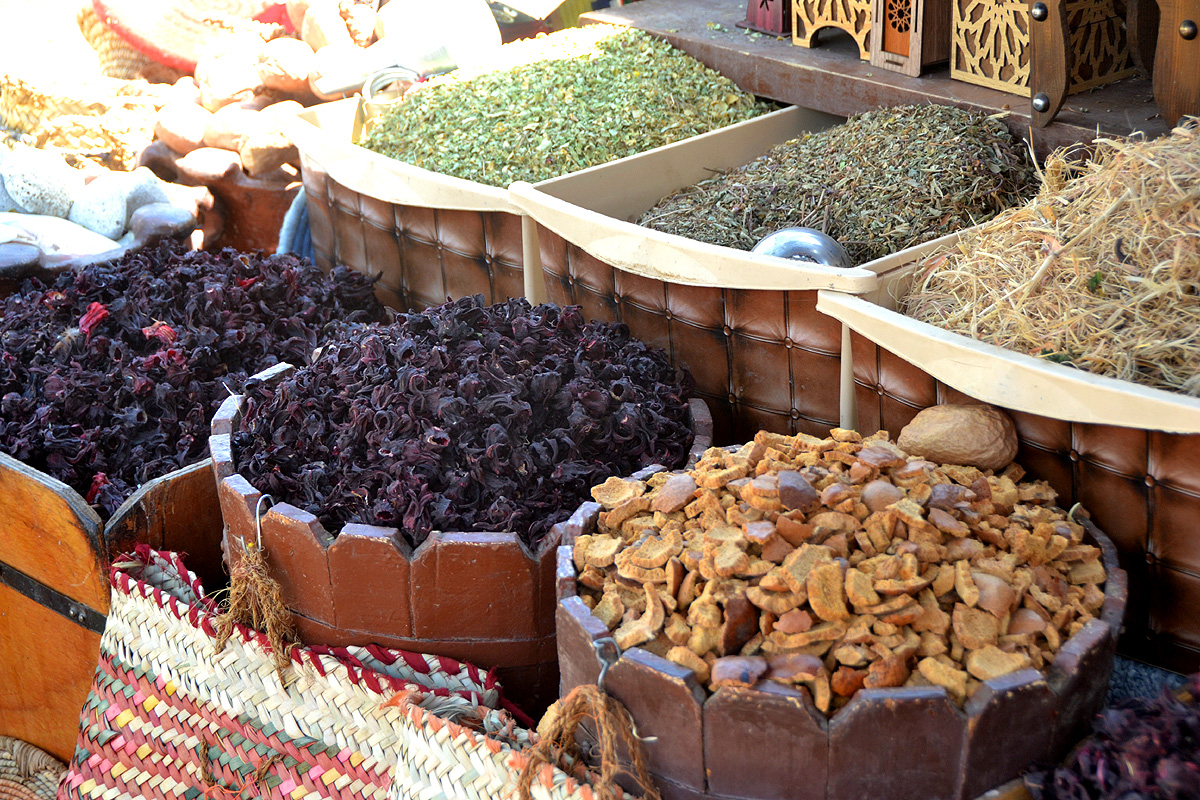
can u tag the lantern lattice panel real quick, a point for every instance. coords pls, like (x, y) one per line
(852, 16)
(990, 42)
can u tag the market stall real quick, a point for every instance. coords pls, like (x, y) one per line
(720, 399)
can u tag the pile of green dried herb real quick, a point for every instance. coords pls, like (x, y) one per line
(559, 103)
(882, 181)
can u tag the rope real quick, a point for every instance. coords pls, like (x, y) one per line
(614, 728)
(255, 600)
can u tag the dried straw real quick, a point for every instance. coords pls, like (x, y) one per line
(256, 601)
(1101, 270)
(614, 728)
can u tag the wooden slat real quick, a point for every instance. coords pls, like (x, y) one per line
(1177, 60)
(49, 533)
(179, 512)
(1050, 60)
(45, 674)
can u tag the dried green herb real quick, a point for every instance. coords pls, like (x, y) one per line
(558, 103)
(882, 181)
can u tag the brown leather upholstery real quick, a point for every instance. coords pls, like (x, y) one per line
(1141, 487)
(761, 359)
(424, 255)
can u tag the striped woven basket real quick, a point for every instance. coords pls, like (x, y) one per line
(27, 773)
(169, 718)
(117, 58)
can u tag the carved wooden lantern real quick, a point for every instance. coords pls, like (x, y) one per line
(852, 16)
(768, 16)
(910, 34)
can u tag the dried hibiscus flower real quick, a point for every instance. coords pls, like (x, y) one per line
(465, 417)
(108, 378)
(1140, 749)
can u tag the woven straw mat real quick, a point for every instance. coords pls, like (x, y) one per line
(27, 773)
(169, 718)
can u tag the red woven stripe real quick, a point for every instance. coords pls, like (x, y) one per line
(206, 712)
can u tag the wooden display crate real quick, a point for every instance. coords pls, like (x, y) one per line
(991, 45)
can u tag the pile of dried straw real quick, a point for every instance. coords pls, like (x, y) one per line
(1101, 270)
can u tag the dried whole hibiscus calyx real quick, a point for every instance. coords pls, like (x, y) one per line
(839, 564)
(108, 377)
(464, 417)
(1140, 748)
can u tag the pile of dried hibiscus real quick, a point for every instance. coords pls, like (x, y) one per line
(465, 417)
(1140, 749)
(108, 377)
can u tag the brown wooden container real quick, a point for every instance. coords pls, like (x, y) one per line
(54, 592)
(427, 236)
(484, 598)
(901, 744)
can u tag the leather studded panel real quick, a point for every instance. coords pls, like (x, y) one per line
(1141, 487)
(760, 359)
(422, 255)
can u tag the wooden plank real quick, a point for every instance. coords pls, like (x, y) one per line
(46, 672)
(179, 511)
(1177, 59)
(831, 78)
(1050, 59)
(49, 533)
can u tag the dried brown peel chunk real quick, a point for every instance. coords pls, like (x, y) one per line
(992, 662)
(826, 592)
(954, 681)
(685, 658)
(615, 491)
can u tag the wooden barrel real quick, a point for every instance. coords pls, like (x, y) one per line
(909, 743)
(55, 555)
(484, 598)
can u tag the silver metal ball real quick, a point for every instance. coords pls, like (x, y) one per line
(805, 244)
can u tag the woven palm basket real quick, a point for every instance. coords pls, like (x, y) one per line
(107, 120)
(118, 58)
(27, 773)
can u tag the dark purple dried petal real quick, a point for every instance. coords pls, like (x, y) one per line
(470, 417)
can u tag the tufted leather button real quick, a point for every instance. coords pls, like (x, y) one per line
(669, 315)
(795, 413)
(1150, 482)
(728, 330)
(879, 389)
(1074, 455)
(788, 343)
(1150, 559)
(732, 398)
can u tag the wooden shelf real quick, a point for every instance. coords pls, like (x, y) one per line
(831, 78)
